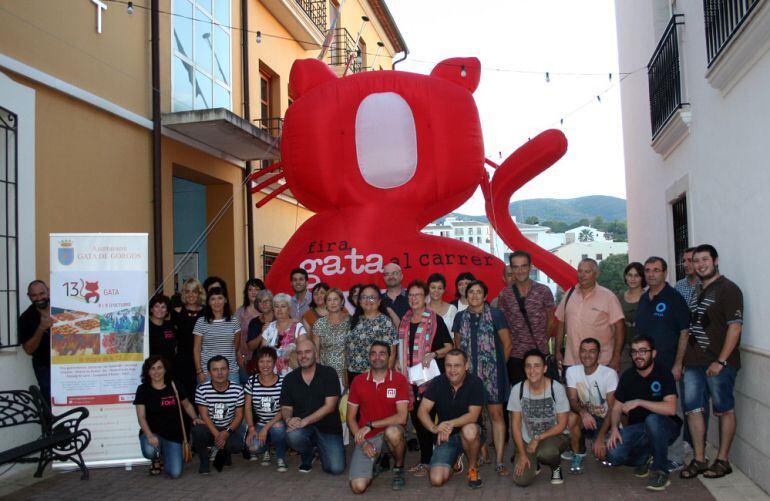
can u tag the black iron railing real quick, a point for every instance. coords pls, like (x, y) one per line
(343, 49)
(316, 11)
(664, 77)
(681, 235)
(722, 19)
(272, 125)
(9, 245)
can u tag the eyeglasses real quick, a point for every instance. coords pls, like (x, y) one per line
(641, 351)
(367, 298)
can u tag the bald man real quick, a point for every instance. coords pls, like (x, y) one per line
(395, 297)
(309, 399)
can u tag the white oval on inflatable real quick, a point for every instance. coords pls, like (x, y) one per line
(386, 140)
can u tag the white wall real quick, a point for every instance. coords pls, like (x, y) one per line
(722, 165)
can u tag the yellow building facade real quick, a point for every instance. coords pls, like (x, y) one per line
(79, 127)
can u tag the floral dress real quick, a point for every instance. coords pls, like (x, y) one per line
(361, 337)
(332, 338)
(285, 343)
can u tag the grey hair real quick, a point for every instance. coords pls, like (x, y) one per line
(282, 298)
(265, 293)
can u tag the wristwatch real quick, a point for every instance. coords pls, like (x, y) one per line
(536, 437)
(369, 425)
(723, 363)
(229, 430)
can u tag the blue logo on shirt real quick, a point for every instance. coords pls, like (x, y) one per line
(660, 307)
(655, 386)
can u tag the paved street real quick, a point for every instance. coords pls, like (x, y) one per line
(246, 480)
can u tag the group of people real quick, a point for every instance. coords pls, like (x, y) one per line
(269, 377)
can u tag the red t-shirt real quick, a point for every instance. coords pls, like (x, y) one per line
(377, 401)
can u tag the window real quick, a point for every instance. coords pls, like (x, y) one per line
(681, 238)
(458, 231)
(584, 256)
(269, 255)
(478, 230)
(361, 54)
(9, 270)
(201, 48)
(598, 257)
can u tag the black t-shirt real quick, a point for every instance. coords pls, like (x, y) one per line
(663, 318)
(439, 340)
(160, 410)
(451, 404)
(184, 320)
(306, 399)
(658, 384)
(163, 340)
(400, 305)
(255, 328)
(28, 322)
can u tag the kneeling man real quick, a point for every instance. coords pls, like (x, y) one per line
(378, 405)
(647, 394)
(458, 397)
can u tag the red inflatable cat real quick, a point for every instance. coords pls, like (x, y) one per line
(381, 154)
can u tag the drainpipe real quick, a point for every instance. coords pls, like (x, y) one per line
(403, 58)
(157, 216)
(247, 116)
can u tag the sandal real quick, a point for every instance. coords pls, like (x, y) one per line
(459, 465)
(156, 468)
(501, 470)
(694, 469)
(718, 469)
(419, 470)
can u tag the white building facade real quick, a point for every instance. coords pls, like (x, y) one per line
(695, 132)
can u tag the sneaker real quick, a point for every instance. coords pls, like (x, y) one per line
(567, 455)
(305, 468)
(399, 480)
(643, 469)
(658, 481)
(576, 465)
(253, 456)
(281, 465)
(556, 476)
(474, 481)
(673, 465)
(265, 459)
(419, 470)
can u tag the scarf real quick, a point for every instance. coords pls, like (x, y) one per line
(484, 364)
(423, 340)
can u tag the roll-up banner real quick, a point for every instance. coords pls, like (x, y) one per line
(99, 336)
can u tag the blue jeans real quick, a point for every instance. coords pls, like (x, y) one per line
(43, 375)
(171, 452)
(642, 439)
(446, 454)
(329, 445)
(276, 436)
(698, 388)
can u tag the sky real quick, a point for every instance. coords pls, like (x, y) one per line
(518, 41)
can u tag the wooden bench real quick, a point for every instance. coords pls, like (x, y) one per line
(61, 438)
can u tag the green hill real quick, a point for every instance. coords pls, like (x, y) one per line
(570, 209)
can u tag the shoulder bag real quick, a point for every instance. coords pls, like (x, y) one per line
(186, 449)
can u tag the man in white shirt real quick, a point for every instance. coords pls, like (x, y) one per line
(591, 392)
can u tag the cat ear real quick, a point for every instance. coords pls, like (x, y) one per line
(307, 74)
(464, 71)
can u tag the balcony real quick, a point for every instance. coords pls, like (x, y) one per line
(316, 11)
(737, 34)
(272, 125)
(305, 20)
(344, 53)
(723, 20)
(664, 77)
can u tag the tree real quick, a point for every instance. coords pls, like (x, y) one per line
(532, 220)
(599, 223)
(611, 273)
(586, 235)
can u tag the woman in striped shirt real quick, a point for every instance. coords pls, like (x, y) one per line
(216, 333)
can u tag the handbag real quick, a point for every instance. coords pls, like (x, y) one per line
(551, 364)
(186, 449)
